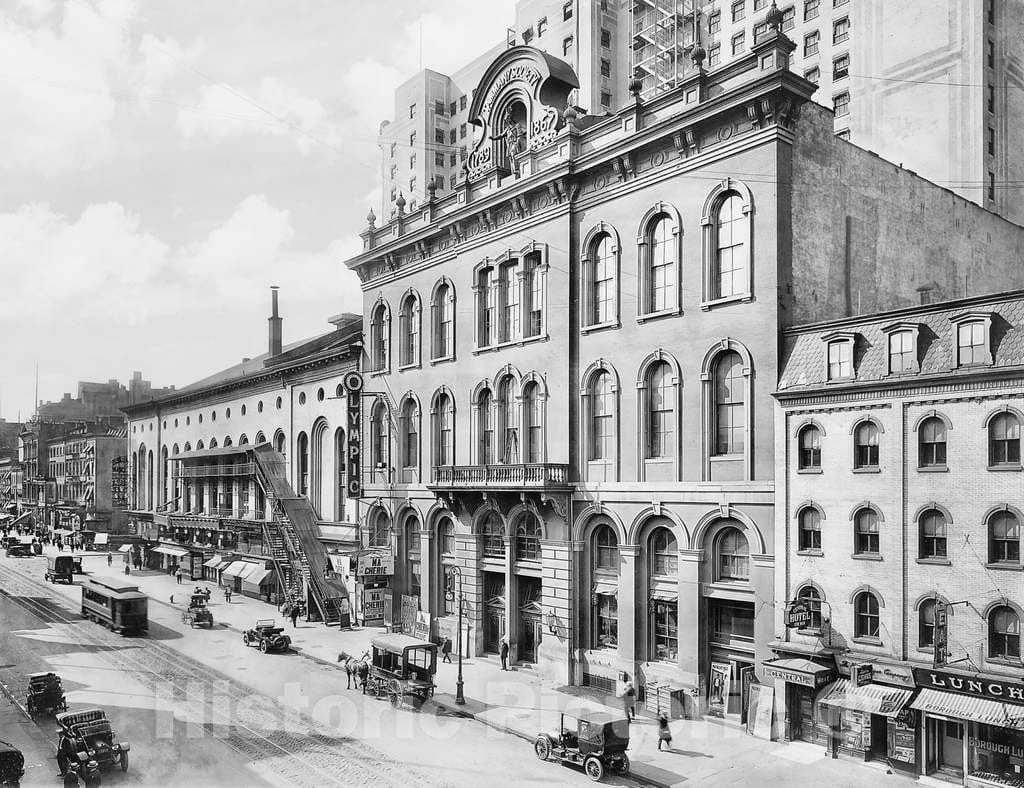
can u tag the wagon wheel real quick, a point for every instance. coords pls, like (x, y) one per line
(542, 747)
(373, 687)
(395, 698)
(263, 646)
(594, 768)
(623, 765)
(245, 638)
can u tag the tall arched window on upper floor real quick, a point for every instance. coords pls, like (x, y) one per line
(509, 302)
(260, 438)
(413, 555)
(727, 243)
(809, 523)
(809, 449)
(534, 278)
(865, 615)
(533, 426)
(486, 291)
(932, 527)
(302, 471)
(602, 417)
(379, 437)
(809, 596)
(1004, 440)
(926, 623)
(1004, 634)
(380, 328)
(1004, 538)
(865, 532)
(280, 444)
(340, 474)
(528, 535)
(442, 309)
(213, 443)
(732, 557)
(485, 427)
(865, 446)
(600, 286)
(444, 429)
(410, 432)
(659, 261)
(166, 466)
(660, 412)
(931, 443)
(409, 331)
(730, 410)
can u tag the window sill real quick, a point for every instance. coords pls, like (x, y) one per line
(659, 314)
(1006, 567)
(741, 298)
(610, 324)
(1006, 467)
(933, 469)
(1004, 662)
(839, 381)
(935, 561)
(814, 553)
(441, 360)
(809, 471)
(871, 469)
(726, 457)
(866, 556)
(868, 641)
(512, 343)
(376, 373)
(407, 367)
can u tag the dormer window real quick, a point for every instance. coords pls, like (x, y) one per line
(839, 354)
(902, 348)
(973, 338)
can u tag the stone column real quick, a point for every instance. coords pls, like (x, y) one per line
(428, 570)
(211, 494)
(556, 589)
(692, 639)
(629, 606)
(511, 608)
(466, 559)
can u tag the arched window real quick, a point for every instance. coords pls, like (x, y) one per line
(379, 436)
(509, 301)
(485, 418)
(486, 300)
(378, 529)
(1003, 538)
(1004, 634)
(664, 553)
(279, 442)
(227, 441)
(413, 555)
(409, 321)
(410, 435)
(660, 411)
(865, 615)
(932, 539)
(493, 536)
(166, 474)
(528, 537)
(732, 559)
(443, 310)
(533, 429)
(260, 438)
(605, 550)
(600, 284)
(661, 266)
(602, 416)
(302, 471)
(213, 443)
(809, 451)
(379, 338)
(243, 440)
(533, 295)
(810, 528)
(447, 532)
(200, 445)
(809, 596)
(509, 420)
(1004, 440)
(730, 276)
(866, 532)
(340, 474)
(730, 421)
(188, 446)
(865, 445)
(444, 437)
(604, 565)
(931, 443)
(926, 624)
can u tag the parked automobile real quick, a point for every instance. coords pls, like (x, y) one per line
(267, 637)
(19, 550)
(595, 740)
(45, 694)
(12, 765)
(86, 740)
(62, 568)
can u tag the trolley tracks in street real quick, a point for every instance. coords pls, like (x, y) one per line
(298, 752)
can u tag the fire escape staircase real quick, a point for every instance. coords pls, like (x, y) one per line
(293, 537)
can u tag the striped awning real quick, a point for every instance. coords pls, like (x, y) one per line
(872, 698)
(213, 562)
(967, 707)
(177, 552)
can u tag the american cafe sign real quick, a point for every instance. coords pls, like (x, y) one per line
(975, 686)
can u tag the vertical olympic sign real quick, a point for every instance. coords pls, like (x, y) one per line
(353, 383)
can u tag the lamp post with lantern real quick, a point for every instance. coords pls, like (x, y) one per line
(456, 572)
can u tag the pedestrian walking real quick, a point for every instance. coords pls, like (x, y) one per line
(294, 614)
(446, 650)
(504, 655)
(627, 695)
(664, 733)
(127, 571)
(227, 594)
(177, 575)
(110, 559)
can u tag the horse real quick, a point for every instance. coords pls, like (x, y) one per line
(357, 667)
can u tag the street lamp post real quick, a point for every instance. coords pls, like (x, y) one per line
(460, 697)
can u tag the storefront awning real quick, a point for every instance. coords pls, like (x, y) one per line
(797, 670)
(236, 569)
(967, 707)
(664, 596)
(215, 561)
(101, 539)
(125, 548)
(177, 552)
(248, 569)
(872, 698)
(63, 531)
(258, 577)
(606, 587)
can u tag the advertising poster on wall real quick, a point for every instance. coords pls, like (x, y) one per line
(719, 688)
(373, 606)
(759, 711)
(410, 605)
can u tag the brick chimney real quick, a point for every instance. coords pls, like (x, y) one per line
(275, 324)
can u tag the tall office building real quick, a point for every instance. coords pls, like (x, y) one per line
(937, 85)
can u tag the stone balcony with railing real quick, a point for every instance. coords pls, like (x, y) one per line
(523, 476)
(206, 471)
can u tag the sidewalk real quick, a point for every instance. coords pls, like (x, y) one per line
(18, 729)
(517, 702)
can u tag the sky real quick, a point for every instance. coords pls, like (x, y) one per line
(163, 162)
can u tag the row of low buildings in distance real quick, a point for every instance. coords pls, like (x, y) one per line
(691, 387)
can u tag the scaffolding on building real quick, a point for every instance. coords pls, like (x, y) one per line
(663, 33)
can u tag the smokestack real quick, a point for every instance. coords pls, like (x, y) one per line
(275, 324)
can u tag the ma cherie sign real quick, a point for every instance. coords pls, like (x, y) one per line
(977, 686)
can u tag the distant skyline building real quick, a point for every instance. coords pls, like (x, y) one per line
(96, 400)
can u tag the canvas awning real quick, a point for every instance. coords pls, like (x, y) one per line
(236, 569)
(248, 570)
(872, 698)
(258, 577)
(606, 587)
(968, 707)
(125, 548)
(101, 539)
(797, 670)
(213, 562)
(176, 552)
(664, 596)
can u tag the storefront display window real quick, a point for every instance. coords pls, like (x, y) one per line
(996, 754)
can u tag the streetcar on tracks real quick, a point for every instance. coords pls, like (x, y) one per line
(119, 606)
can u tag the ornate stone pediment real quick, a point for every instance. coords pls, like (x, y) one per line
(517, 107)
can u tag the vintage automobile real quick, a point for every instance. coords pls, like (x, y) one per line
(19, 550)
(87, 742)
(402, 667)
(45, 694)
(595, 740)
(198, 614)
(267, 637)
(12, 765)
(62, 568)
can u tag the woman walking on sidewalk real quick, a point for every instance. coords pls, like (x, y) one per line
(664, 733)
(627, 695)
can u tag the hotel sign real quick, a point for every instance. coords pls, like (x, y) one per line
(797, 615)
(353, 383)
(976, 686)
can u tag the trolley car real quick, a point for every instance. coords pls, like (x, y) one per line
(116, 605)
(402, 667)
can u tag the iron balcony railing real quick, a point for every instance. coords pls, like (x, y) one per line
(538, 475)
(205, 471)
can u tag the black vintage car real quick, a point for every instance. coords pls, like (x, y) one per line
(266, 637)
(12, 765)
(87, 742)
(19, 550)
(62, 568)
(45, 694)
(595, 740)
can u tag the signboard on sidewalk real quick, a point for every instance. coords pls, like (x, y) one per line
(374, 605)
(389, 609)
(718, 691)
(410, 605)
(422, 628)
(759, 711)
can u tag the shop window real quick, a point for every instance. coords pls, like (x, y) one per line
(810, 529)
(665, 629)
(732, 557)
(932, 443)
(866, 540)
(1004, 538)
(809, 452)
(732, 622)
(1004, 440)
(994, 754)
(1004, 634)
(866, 622)
(932, 541)
(865, 445)
(809, 595)
(606, 621)
(493, 536)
